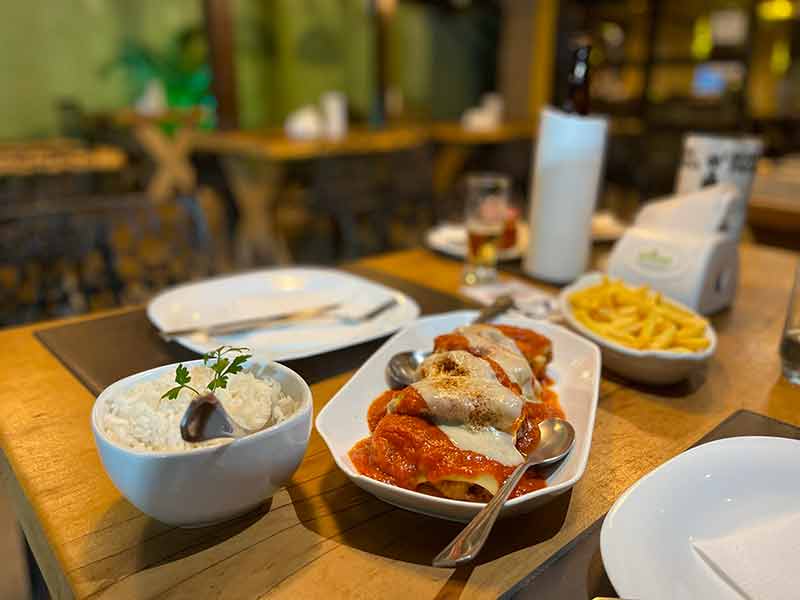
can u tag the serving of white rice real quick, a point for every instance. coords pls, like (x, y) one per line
(141, 419)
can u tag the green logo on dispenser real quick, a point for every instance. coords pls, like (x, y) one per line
(653, 259)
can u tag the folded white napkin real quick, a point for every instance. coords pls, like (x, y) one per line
(528, 300)
(703, 211)
(759, 561)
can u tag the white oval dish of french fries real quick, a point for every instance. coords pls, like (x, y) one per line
(642, 335)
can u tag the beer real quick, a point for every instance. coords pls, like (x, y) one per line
(486, 218)
(508, 241)
(483, 242)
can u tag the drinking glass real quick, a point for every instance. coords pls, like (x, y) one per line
(790, 342)
(486, 215)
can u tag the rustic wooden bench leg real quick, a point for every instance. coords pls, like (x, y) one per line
(256, 185)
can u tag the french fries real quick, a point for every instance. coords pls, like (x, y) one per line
(638, 318)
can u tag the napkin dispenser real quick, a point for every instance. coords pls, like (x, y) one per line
(681, 247)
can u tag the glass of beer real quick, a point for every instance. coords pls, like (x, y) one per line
(486, 216)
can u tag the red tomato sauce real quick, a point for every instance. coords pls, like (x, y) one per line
(405, 450)
(536, 348)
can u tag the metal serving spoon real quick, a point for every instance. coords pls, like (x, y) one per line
(557, 437)
(403, 368)
(206, 419)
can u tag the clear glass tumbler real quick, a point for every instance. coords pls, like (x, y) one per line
(790, 342)
(486, 214)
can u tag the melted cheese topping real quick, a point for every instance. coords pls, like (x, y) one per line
(504, 351)
(494, 444)
(457, 363)
(470, 401)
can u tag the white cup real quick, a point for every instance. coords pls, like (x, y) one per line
(334, 111)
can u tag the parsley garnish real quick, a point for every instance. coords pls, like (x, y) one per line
(222, 367)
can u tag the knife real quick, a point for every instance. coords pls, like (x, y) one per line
(251, 323)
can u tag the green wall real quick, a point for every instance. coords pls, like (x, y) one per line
(288, 52)
(54, 49)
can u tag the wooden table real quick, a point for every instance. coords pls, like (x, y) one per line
(779, 214)
(322, 536)
(254, 162)
(57, 156)
(457, 144)
(174, 173)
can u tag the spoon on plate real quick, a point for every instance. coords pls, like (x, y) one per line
(403, 368)
(206, 419)
(557, 437)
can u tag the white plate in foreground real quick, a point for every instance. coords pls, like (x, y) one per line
(575, 369)
(275, 291)
(707, 491)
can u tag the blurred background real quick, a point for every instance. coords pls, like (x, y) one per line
(147, 143)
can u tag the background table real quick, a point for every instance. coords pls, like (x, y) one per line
(57, 156)
(322, 536)
(255, 164)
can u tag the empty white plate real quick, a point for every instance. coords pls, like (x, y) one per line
(575, 369)
(275, 291)
(706, 492)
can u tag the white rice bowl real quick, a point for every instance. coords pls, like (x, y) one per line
(140, 419)
(192, 486)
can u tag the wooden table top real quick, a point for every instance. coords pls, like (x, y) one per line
(455, 133)
(275, 145)
(60, 155)
(776, 213)
(324, 537)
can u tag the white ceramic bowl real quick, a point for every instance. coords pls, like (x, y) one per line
(645, 366)
(575, 370)
(211, 484)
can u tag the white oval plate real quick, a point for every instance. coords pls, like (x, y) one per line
(274, 291)
(707, 491)
(575, 369)
(451, 239)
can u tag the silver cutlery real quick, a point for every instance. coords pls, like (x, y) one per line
(372, 314)
(206, 419)
(287, 317)
(251, 323)
(557, 437)
(403, 368)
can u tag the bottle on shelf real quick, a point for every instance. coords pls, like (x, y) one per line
(568, 164)
(578, 97)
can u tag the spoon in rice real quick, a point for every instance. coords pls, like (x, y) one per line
(206, 419)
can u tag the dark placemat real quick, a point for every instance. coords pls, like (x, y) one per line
(101, 351)
(576, 571)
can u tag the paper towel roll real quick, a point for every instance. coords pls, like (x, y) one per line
(566, 176)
